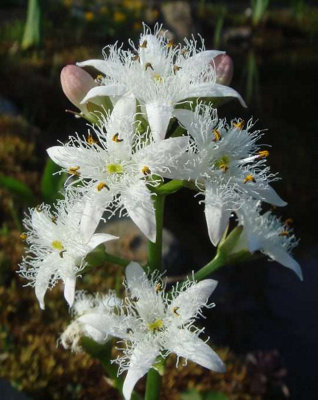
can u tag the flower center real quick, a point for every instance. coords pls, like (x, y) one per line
(156, 325)
(114, 168)
(223, 163)
(57, 245)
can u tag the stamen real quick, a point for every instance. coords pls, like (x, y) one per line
(158, 287)
(249, 178)
(57, 245)
(289, 221)
(99, 79)
(102, 185)
(54, 219)
(217, 135)
(156, 326)
(23, 236)
(170, 43)
(74, 171)
(175, 311)
(176, 69)
(136, 58)
(184, 51)
(38, 208)
(239, 124)
(129, 330)
(143, 44)
(114, 168)
(90, 139)
(284, 233)
(263, 153)
(148, 65)
(116, 139)
(145, 170)
(61, 253)
(223, 163)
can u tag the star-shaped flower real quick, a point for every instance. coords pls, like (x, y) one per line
(159, 75)
(116, 164)
(153, 323)
(57, 246)
(225, 162)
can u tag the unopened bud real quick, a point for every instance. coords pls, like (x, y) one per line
(75, 84)
(223, 68)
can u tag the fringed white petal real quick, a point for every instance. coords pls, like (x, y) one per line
(107, 90)
(100, 65)
(158, 117)
(42, 280)
(201, 58)
(99, 238)
(69, 289)
(269, 195)
(188, 345)
(139, 205)
(142, 358)
(189, 302)
(282, 256)
(136, 279)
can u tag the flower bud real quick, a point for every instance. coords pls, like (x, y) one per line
(75, 84)
(223, 68)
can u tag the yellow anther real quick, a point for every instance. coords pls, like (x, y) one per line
(38, 208)
(101, 186)
(289, 221)
(184, 51)
(145, 170)
(217, 135)
(148, 65)
(57, 245)
(176, 69)
(170, 43)
(249, 178)
(116, 139)
(158, 78)
(136, 58)
(53, 219)
(90, 139)
(239, 124)
(156, 326)
(158, 287)
(61, 253)
(129, 330)
(99, 79)
(23, 236)
(114, 168)
(175, 311)
(263, 153)
(284, 233)
(143, 44)
(74, 170)
(223, 163)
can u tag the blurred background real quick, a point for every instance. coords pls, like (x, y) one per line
(265, 321)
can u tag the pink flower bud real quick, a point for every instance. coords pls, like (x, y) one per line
(75, 84)
(223, 68)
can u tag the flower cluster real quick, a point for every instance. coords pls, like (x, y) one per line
(146, 129)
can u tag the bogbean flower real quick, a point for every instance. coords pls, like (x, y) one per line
(152, 323)
(266, 233)
(159, 75)
(56, 247)
(225, 163)
(116, 163)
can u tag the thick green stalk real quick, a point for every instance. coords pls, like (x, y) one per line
(155, 263)
(32, 36)
(218, 261)
(153, 385)
(155, 249)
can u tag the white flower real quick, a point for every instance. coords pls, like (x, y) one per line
(159, 75)
(57, 246)
(152, 323)
(116, 163)
(225, 162)
(85, 308)
(268, 234)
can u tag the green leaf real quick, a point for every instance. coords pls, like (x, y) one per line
(51, 184)
(191, 394)
(215, 396)
(18, 189)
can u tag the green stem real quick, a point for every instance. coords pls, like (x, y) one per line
(153, 385)
(218, 261)
(155, 263)
(111, 258)
(155, 249)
